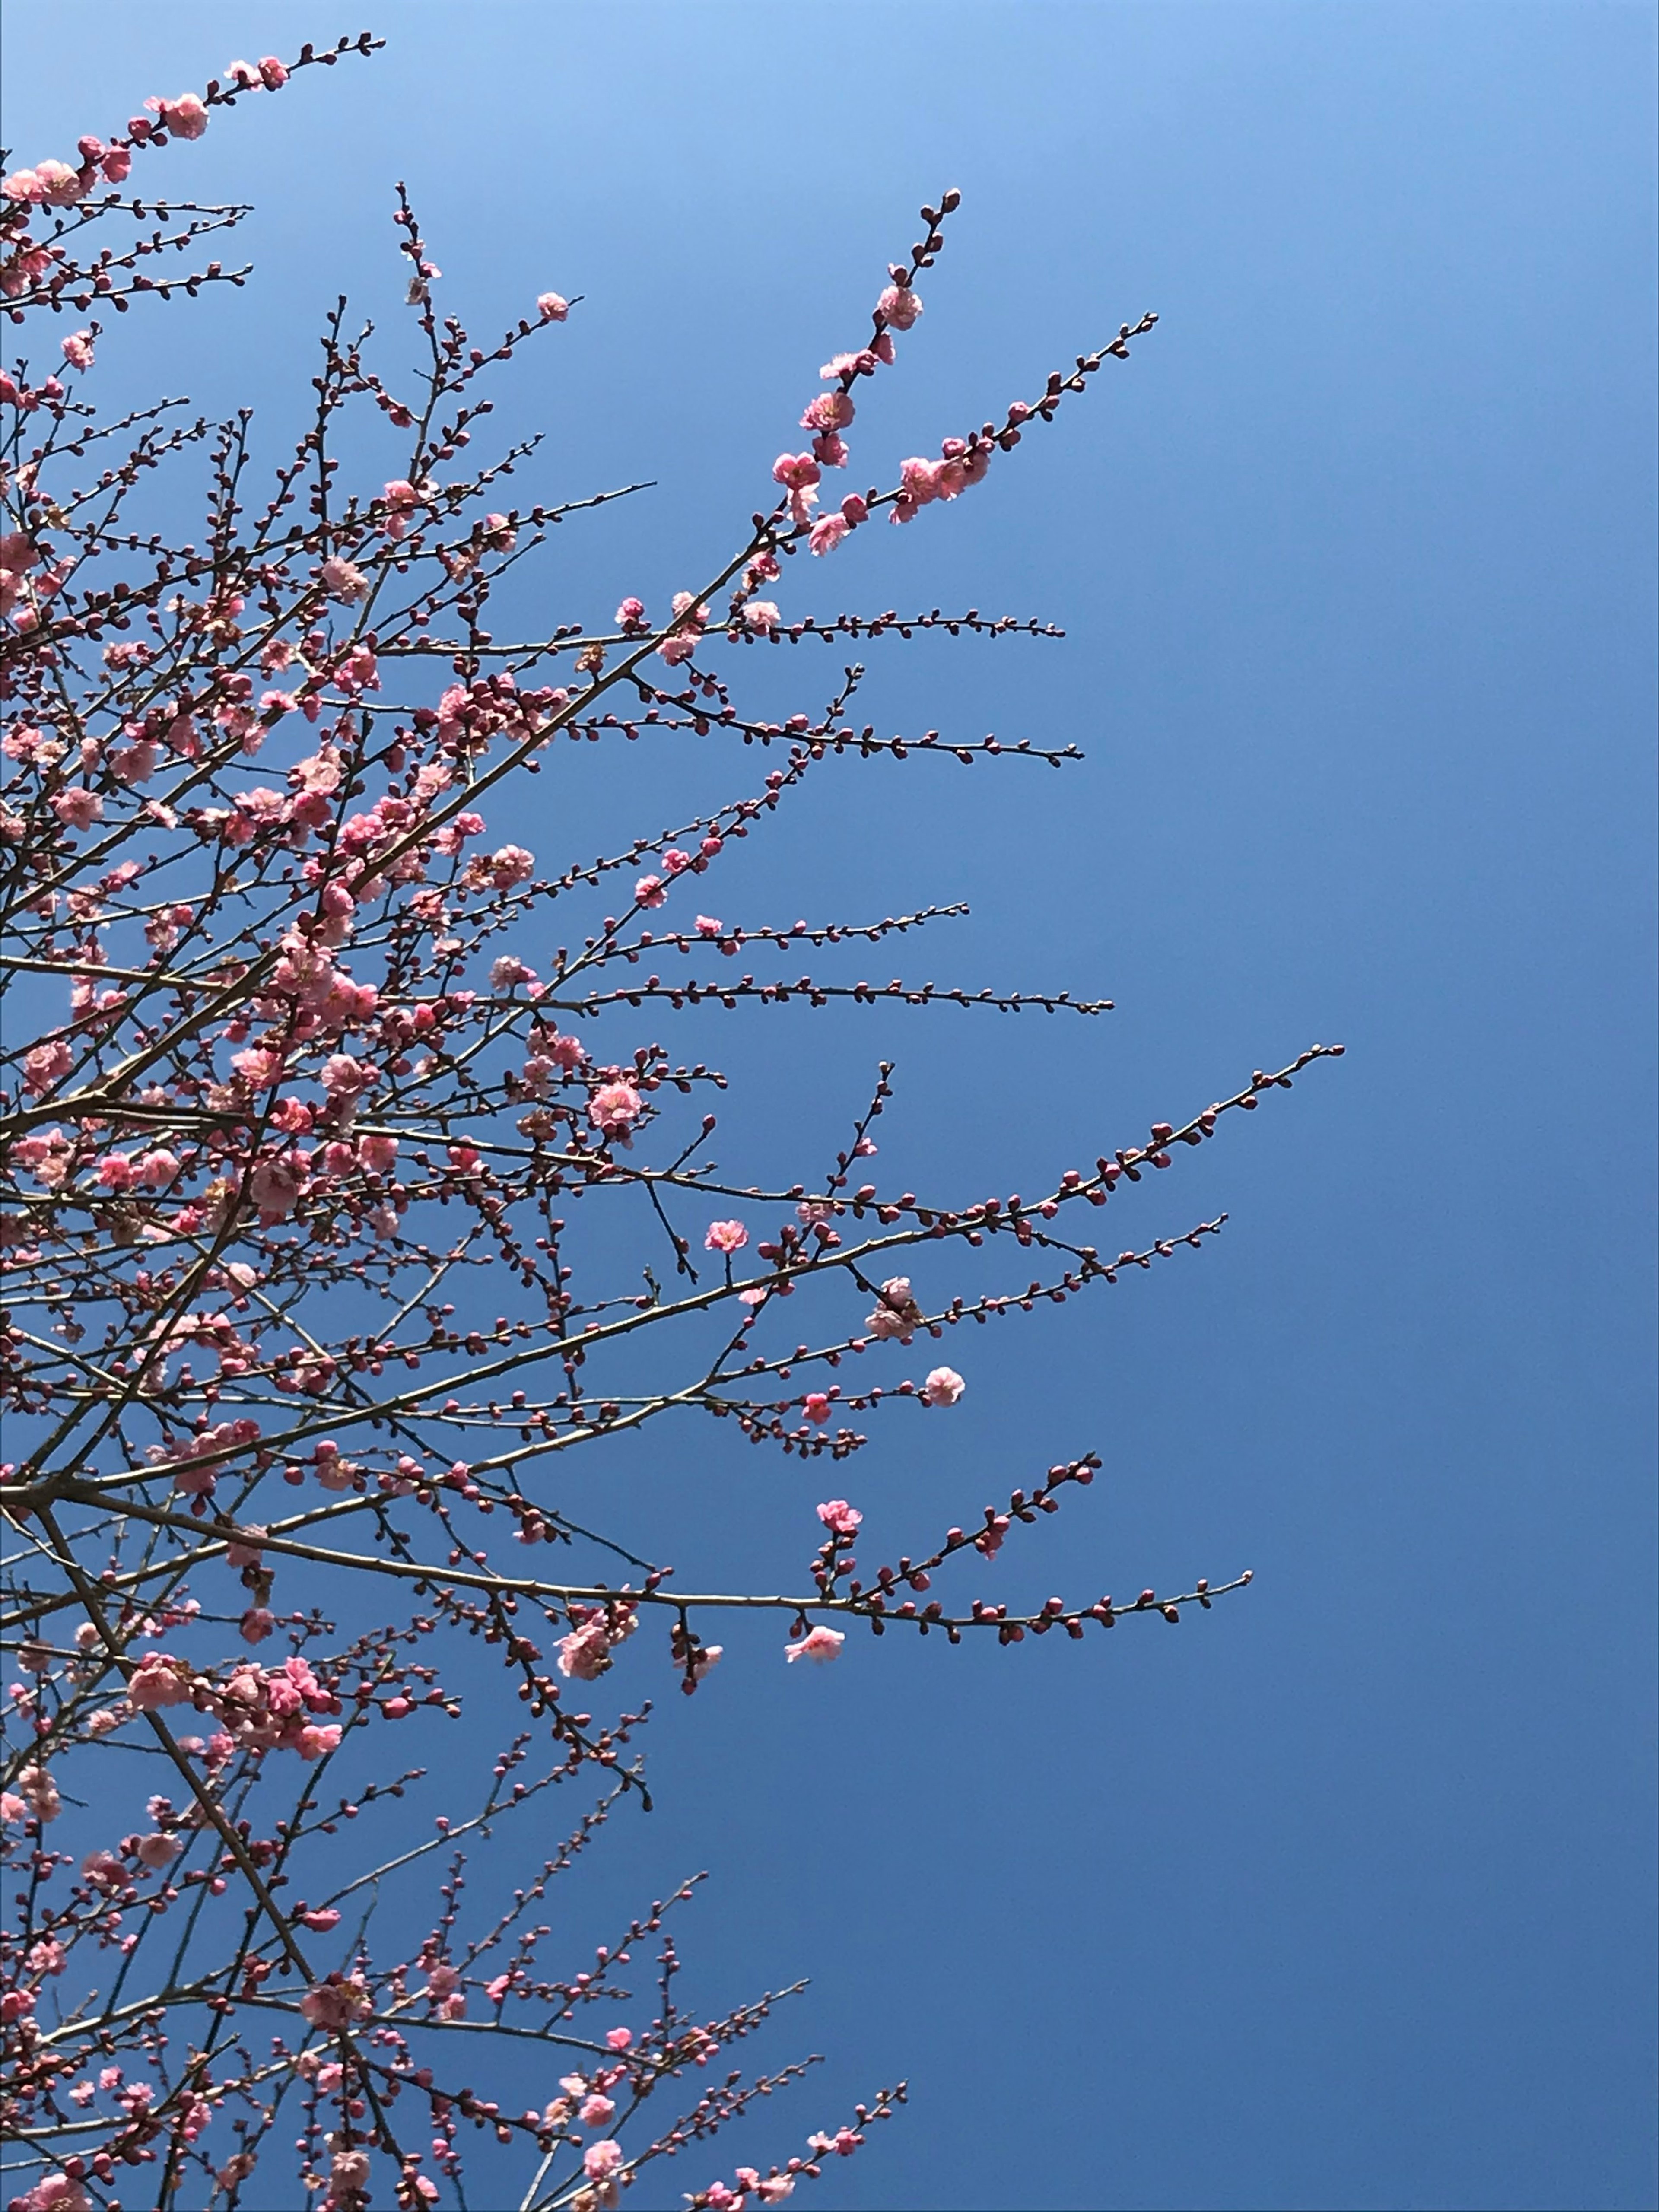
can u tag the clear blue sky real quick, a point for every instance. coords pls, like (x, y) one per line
(1340, 1895)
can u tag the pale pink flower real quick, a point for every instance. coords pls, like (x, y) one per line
(815, 1405)
(840, 1517)
(675, 862)
(761, 617)
(342, 581)
(614, 1106)
(601, 2159)
(899, 306)
(56, 2193)
(337, 2002)
(597, 2110)
(795, 471)
(61, 187)
(377, 1154)
(619, 2038)
(40, 1793)
(511, 864)
(649, 891)
(157, 1680)
(77, 348)
(185, 117)
(856, 509)
(725, 1236)
(830, 411)
(157, 1851)
(585, 1654)
(827, 533)
(944, 1387)
(630, 615)
(78, 809)
(898, 1315)
(43, 1065)
(917, 477)
(552, 306)
(709, 925)
(348, 2170)
(273, 74)
(818, 1645)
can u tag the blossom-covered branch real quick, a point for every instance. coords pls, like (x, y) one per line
(340, 1199)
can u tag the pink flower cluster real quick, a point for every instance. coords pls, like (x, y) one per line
(585, 1654)
(260, 1709)
(898, 1315)
(962, 462)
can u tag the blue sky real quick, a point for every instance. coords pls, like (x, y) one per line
(1340, 1895)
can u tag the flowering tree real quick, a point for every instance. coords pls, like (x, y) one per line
(299, 1093)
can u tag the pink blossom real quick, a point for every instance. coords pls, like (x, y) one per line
(158, 1680)
(256, 1624)
(614, 1106)
(185, 117)
(552, 306)
(795, 471)
(157, 1851)
(899, 1314)
(342, 581)
(619, 2038)
(40, 1793)
(377, 1154)
(944, 1387)
(630, 615)
(273, 75)
(676, 862)
(725, 1236)
(649, 891)
(830, 410)
(840, 1517)
(815, 1405)
(114, 1171)
(855, 508)
(511, 864)
(337, 2002)
(601, 2159)
(348, 2170)
(277, 1185)
(899, 306)
(77, 808)
(818, 1645)
(61, 187)
(709, 925)
(762, 616)
(917, 477)
(566, 1052)
(56, 2193)
(827, 533)
(77, 348)
(596, 2111)
(43, 1065)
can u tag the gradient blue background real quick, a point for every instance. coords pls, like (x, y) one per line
(1340, 1895)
